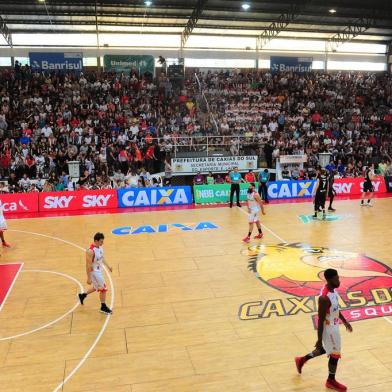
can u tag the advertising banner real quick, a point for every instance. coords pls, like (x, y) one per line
(147, 197)
(354, 186)
(291, 64)
(78, 200)
(56, 61)
(19, 202)
(388, 183)
(183, 166)
(217, 193)
(291, 189)
(128, 63)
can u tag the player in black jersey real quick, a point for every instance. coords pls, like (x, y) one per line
(368, 188)
(331, 191)
(321, 189)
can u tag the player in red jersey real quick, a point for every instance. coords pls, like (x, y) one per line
(328, 334)
(94, 270)
(255, 204)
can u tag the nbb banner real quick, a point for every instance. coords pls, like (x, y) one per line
(19, 202)
(291, 64)
(276, 190)
(78, 200)
(213, 164)
(218, 193)
(56, 61)
(147, 197)
(125, 63)
(297, 270)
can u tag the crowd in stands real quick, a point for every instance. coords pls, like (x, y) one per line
(123, 127)
(346, 114)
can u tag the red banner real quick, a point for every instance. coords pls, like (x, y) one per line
(19, 202)
(354, 186)
(78, 200)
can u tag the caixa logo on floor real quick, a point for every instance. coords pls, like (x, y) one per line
(147, 197)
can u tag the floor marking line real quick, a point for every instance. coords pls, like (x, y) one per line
(12, 284)
(53, 321)
(105, 324)
(267, 228)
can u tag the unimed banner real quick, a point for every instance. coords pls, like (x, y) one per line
(183, 166)
(354, 186)
(78, 200)
(19, 202)
(127, 63)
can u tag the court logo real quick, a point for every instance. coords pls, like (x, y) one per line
(164, 228)
(309, 218)
(297, 270)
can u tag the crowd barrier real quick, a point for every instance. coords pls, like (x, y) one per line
(177, 195)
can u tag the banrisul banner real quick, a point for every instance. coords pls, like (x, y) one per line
(147, 197)
(291, 64)
(218, 193)
(56, 61)
(125, 63)
(213, 164)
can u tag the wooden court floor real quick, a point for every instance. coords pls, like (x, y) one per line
(190, 312)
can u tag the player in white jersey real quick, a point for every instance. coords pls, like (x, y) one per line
(255, 205)
(94, 269)
(328, 334)
(3, 228)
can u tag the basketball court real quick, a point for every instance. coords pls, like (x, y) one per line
(194, 308)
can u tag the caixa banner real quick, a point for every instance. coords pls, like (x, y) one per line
(147, 197)
(354, 186)
(291, 64)
(78, 200)
(56, 61)
(19, 203)
(291, 189)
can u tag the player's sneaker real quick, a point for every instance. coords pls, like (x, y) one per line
(104, 309)
(299, 363)
(362, 204)
(336, 386)
(6, 245)
(239, 205)
(246, 239)
(314, 216)
(259, 236)
(331, 209)
(82, 297)
(369, 205)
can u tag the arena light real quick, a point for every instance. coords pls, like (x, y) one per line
(245, 6)
(332, 11)
(147, 3)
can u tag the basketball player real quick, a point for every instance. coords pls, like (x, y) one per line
(94, 270)
(368, 188)
(321, 190)
(331, 191)
(255, 204)
(3, 228)
(328, 334)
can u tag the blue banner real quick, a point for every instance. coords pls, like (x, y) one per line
(56, 61)
(291, 189)
(147, 197)
(291, 64)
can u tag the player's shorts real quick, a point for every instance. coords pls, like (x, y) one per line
(253, 216)
(368, 186)
(3, 224)
(331, 341)
(98, 281)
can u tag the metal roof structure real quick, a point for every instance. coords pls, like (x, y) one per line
(357, 20)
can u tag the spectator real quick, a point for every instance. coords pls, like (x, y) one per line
(198, 179)
(286, 173)
(250, 176)
(25, 183)
(295, 173)
(210, 179)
